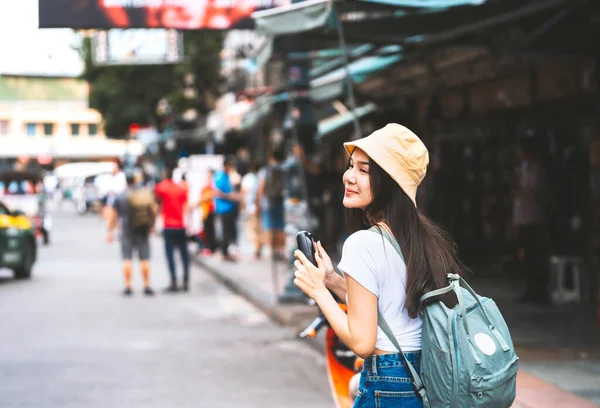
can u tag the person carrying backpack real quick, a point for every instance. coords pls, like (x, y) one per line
(136, 210)
(270, 203)
(427, 338)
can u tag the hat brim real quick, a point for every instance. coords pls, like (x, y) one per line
(380, 155)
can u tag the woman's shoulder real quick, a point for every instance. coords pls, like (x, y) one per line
(370, 241)
(364, 239)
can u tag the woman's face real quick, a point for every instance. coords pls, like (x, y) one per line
(357, 192)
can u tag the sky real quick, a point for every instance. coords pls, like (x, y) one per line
(25, 49)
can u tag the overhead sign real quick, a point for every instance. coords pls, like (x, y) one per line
(176, 14)
(137, 46)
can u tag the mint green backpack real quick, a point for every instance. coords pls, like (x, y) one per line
(467, 355)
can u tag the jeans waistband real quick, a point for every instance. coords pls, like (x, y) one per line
(372, 363)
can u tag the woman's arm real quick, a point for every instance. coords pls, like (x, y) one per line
(337, 284)
(358, 328)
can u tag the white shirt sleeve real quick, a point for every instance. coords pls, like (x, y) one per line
(359, 261)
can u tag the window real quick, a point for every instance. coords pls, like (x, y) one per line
(31, 129)
(74, 129)
(92, 129)
(48, 129)
(3, 127)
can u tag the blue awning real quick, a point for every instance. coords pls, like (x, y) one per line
(293, 18)
(337, 62)
(331, 85)
(311, 14)
(331, 124)
(261, 108)
(427, 3)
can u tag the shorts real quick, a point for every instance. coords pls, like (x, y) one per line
(274, 218)
(385, 382)
(138, 240)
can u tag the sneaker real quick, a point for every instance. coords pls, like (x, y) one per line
(148, 292)
(185, 287)
(127, 292)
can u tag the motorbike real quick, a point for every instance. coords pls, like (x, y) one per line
(343, 366)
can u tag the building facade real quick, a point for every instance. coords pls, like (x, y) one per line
(49, 120)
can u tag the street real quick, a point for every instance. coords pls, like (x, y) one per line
(70, 339)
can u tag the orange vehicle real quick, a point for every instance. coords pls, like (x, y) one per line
(343, 366)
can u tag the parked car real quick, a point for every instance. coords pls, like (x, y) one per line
(18, 248)
(24, 191)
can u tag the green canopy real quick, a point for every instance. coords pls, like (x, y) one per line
(293, 18)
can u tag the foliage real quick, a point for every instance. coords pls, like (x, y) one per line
(130, 93)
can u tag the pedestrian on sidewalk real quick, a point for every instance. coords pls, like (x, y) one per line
(271, 192)
(225, 199)
(384, 171)
(207, 209)
(250, 213)
(135, 212)
(173, 203)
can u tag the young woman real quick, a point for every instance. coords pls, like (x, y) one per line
(384, 171)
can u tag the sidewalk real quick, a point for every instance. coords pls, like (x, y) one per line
(560, 355)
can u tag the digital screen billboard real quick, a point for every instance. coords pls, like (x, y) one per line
(137, 46)
(176, 14)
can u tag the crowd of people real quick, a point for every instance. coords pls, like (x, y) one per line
(227, 200)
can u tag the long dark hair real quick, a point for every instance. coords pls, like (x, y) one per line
(427, 250)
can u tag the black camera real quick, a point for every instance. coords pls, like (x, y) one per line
(306, 244)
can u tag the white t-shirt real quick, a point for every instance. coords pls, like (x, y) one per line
(373, 262)
(103, 183)
(119, 183)
(250, 188)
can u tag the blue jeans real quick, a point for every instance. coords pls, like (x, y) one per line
(177, 238)
(385, 382)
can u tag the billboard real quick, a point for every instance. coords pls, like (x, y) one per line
(137, 46)
(175, 14)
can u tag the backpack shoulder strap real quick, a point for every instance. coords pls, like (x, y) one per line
(383, 232)
(382, 323)
(416, 378)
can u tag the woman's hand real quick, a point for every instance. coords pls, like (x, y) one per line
(308, 277)
(330, 273)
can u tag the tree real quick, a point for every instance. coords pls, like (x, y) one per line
(130, 94)
(199, 74)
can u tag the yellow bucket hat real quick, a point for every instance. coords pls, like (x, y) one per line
(399, 152)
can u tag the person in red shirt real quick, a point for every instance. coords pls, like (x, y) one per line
(173, 202)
